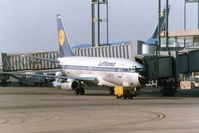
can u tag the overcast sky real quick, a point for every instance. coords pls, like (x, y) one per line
(30, 25)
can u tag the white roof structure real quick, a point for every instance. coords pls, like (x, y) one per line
(184, 33)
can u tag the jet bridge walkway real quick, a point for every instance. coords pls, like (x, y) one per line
(17, 62)
(167, 66)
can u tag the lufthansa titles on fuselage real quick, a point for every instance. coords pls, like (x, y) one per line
(106, 63)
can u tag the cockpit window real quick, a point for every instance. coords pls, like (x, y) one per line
(135, 69)
(131, 70)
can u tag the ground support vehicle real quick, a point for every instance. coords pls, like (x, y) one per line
(125, 92)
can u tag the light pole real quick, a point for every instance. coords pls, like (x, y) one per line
(159, 28)
(167, 25)
(96, 21)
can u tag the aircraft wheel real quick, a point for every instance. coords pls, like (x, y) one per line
(135, 94)
(82, 91)
(77, 91)
(126, 94)
(112, 92)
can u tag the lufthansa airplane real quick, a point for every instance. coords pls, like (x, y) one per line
(110, 72)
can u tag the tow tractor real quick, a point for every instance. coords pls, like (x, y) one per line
(125, 92)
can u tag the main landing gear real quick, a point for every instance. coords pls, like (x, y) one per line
(80, 89)
(111, 91)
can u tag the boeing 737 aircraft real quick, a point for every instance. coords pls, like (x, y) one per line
(109, 72)
(103, 71)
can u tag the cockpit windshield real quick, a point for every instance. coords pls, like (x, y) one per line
(136, 69)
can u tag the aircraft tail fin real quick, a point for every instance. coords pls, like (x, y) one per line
(154, 37)
(64, 46)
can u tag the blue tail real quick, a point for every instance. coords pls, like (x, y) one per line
(162, 23)
(64, 47)
(154, 38)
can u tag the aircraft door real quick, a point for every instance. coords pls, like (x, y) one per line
(119, 75)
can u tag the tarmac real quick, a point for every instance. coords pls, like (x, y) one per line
(49, 110)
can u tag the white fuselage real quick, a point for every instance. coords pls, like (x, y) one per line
(108, 71)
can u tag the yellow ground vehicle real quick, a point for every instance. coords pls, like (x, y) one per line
(125, 92)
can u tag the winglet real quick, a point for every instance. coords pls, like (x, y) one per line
(64, 47)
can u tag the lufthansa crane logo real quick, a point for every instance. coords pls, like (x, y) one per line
(61, 37)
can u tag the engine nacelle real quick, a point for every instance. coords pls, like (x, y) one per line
(67, 85)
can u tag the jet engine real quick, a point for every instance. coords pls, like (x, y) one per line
(69, 84)
(66, 85)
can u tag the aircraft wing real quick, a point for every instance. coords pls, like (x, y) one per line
(34, 75)
(93, 79)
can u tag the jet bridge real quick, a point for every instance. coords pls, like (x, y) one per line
(17, 62)
(167, 66)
